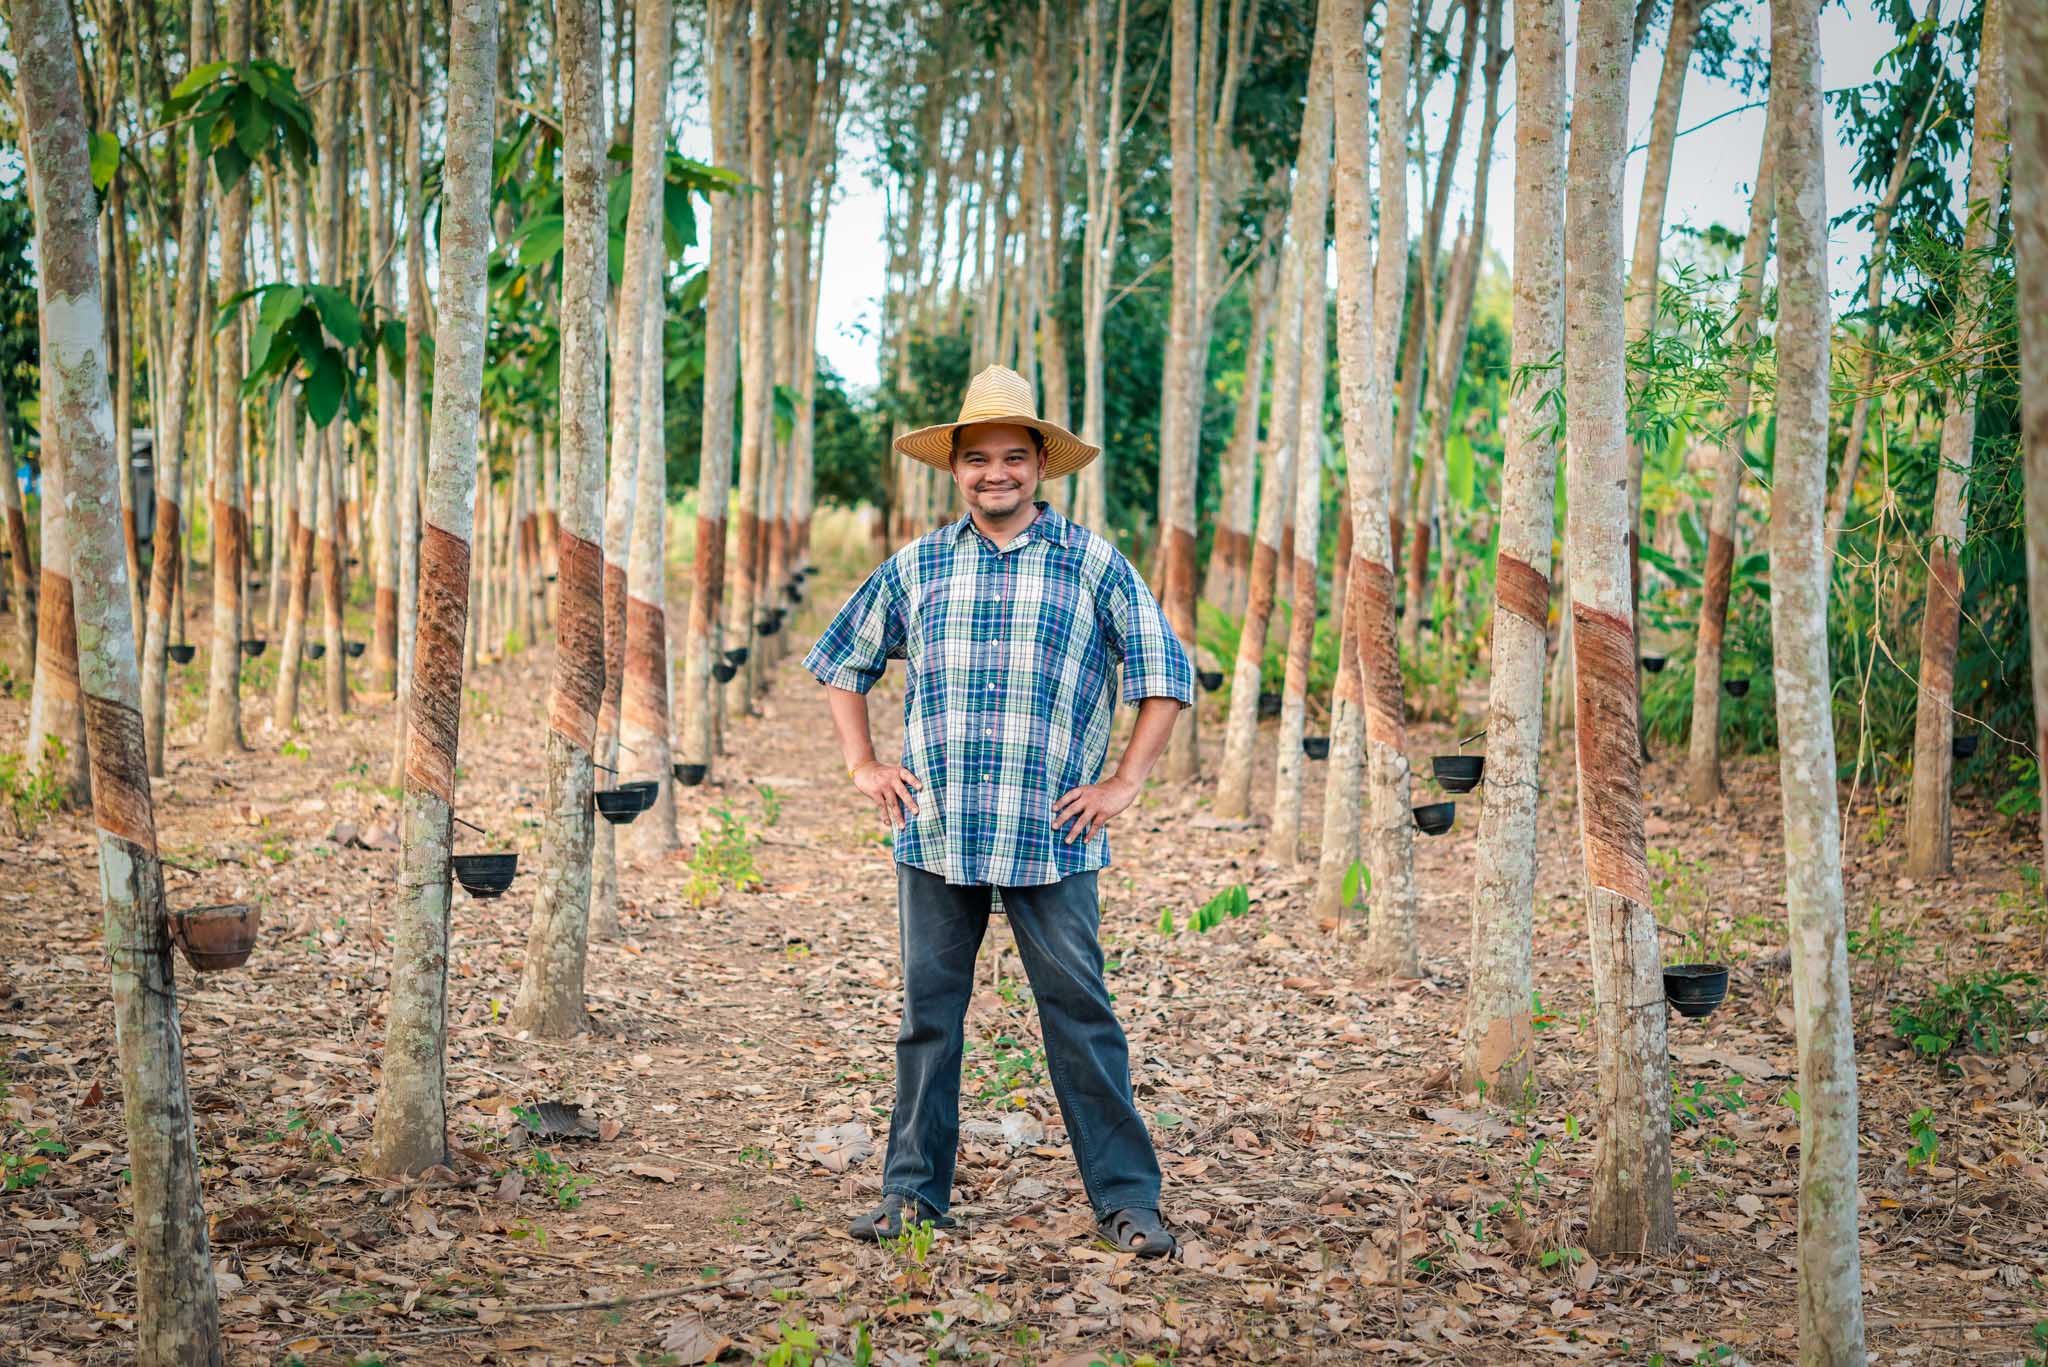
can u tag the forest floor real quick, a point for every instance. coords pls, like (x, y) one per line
(1336, 1198)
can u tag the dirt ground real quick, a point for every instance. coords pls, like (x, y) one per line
(1337, 1200)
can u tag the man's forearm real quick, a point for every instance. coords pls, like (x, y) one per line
(850, 720)
(1156, 717)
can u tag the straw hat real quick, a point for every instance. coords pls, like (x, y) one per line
(999, 394)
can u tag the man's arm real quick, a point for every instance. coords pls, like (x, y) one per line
(1093, 804)
(886, 785)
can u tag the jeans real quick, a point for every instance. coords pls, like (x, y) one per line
(941, 925)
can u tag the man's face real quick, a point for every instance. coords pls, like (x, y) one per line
(997, 466)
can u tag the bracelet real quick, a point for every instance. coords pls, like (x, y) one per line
(854, 772)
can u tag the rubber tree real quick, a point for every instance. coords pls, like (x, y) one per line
(1283, 835)
(410, 1133)
(550, 1001)
(383, 645)
(228, 518)
(177, 1314)
(18, 563)
(2030, 248)
(1928, 809)
(1631, 1190)
(1499, 1034)
(1830, 1260)
(651, 53)
(1731, 465)
(1391, 942)
(702, 644)
(1103, 129)
(757, 359)
(643, 707)
(412, 454)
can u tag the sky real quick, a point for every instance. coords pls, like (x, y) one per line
(1712, 172)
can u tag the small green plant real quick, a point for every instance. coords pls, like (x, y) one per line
(771, 804)
(1233, 901)
(1166, 925)
(1012, 1068)
(291, 749)
(796, 1345)
(1702, 1103)
(1357, 886)
(562, 1183)
(1926, 1143)
(724, 859)
(297, 1122)
(913, 1247)
(27, 1156)
(1678, 892)
(32, 794)
(1983, 1011)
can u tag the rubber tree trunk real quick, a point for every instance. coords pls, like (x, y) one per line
(229, 529)
(1499, 1035)
(1283, 837)
(757, 361)
(413, 447)
(1101, 135)
(1928, 810)
(383, 652)
(1241, 725)
(650, 66)
(643, 708)
(1830, 1260)
(329, 525)
(330, 532)
(411, 1129)
(56, 721)
(550, 1001)
(1631, 1190)
(1391, 941)
(1703, 745)
(18, 564)
(1178, 452)
(1873, 297)
(284, 712)
(2030, 238)
(167, 543)
(1230, 556)
(177, 1315)
(703, 645)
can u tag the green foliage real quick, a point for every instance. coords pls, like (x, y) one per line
(1234, 901)
(1926, 1143)
(243, 113)
(1699, 1103)
(560, 1182)
(1357, 884)
(25, 1155)
(291, 339)
(1982, 1011)
(796, 1345)
(724, 860)
(32, 794)
(1004, 1067)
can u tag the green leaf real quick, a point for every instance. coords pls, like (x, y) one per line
(105, 152)
(541, 240)
(198, 78)
(785, 412)
(680, 220)
(324, 388)
(279, 304)
(1357, 884)
(337, 314)
(230, 165)
(1458, 469)
(691, 297)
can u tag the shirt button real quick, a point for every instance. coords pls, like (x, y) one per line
(988, 730)
(988, 778)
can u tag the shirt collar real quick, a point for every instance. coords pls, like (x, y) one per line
(1049, 524)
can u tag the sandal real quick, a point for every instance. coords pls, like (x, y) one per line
(1138, 1230)
(886, 1220)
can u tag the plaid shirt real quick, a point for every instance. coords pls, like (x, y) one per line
(1010, 656)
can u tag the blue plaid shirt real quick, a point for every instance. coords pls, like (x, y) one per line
(1010, 656)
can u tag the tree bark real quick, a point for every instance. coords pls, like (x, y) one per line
(550, 1001)
(1177, 452)
(1391, 939)
(177, 1312)
(757, 361)
(56, 717)
(1703, 745)
(284, 712)
(1631, 1194)
(411, 1129)
(1499, 1036)
(227, 516)
(1100, 129)
(643, 709)
(1230, 556)
(1283, 837)
(383, 652)
(1830, 1260)
(1928, 810)
(2030, 248)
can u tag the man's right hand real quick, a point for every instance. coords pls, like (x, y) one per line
(889, 787)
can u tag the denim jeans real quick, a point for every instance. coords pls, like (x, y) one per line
(940, 925)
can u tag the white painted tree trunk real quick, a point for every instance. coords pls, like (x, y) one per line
(1499, 1037)
(176, 1311)
(550, 1001)
(411, 1129)
(1830, 1261)
(1631, 1191)
(1928, 852)
(2030, 247)
(643, 710)
(1390, 947)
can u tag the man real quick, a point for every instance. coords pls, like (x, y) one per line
(1011, 623)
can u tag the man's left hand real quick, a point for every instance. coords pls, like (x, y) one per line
(1091, 806)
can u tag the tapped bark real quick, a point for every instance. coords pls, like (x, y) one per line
(1178, 449)
(1928, 810)
(757, 360)
(1631, 1192)
(411, 1129)
(383, 651)
(177, 1315)
(228, 518)
(643, 708)
(1830, 1258)
(20, 568)
(1499, 1035)
(550, 1001)
(1703, 745)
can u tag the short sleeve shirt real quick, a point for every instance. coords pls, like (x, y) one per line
(1011, 658)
